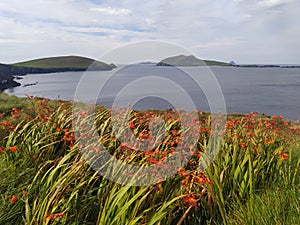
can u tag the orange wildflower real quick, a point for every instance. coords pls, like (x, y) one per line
(54, 216)
(243, 144)
(157, 188)
(174, 132)
(13, 199)
(153, 161)
(284, 156)
(250, 133)
(13, 149)
(190, 200)
(2, 150)
(131, 125)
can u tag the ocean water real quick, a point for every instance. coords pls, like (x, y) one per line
(272, 91)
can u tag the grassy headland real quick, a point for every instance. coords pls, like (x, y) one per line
(43, 179)
(48, 65)
(61, 62)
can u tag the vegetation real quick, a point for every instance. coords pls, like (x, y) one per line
(60, 62)
(43, 179)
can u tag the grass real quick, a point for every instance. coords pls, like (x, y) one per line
(278, 204)
(278, 207)
(43, 179)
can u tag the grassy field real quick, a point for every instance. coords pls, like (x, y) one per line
(59, 62)
(254, 179)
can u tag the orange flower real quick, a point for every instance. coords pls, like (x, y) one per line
(2, 150)
(243, 144)
(190, 200)
(54, 216)
(13, 199)
(157, 188)
(250, 133)
(13, 149)
(174, 132)
(153, 161)
(284, 156)
(131, 125)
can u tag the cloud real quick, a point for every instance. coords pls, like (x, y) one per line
(222, 43)
(111, 11)
(244, 30)
(17, 41)
(101, 30)
(271, 3)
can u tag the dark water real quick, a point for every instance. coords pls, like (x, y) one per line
(273, 91)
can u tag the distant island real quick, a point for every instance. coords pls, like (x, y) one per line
(70, 63)
(190, 60)
(48, 65)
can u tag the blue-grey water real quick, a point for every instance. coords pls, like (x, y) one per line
(273, 91)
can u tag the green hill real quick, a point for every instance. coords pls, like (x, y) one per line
(63, 62)
(183, 60)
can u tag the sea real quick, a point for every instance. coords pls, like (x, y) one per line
(224, 89)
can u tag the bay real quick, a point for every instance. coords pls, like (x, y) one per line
(272, 91)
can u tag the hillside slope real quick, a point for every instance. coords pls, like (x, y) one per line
(71, 62)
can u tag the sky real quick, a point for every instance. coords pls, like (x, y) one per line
(245, 31)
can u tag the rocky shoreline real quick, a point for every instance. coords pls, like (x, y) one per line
(265, 66)
(7, 81)
(8, 72)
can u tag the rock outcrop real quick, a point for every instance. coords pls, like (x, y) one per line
(7, 81)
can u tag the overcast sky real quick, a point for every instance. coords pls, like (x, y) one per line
(246, 31)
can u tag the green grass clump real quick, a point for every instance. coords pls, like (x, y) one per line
(279, 206)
